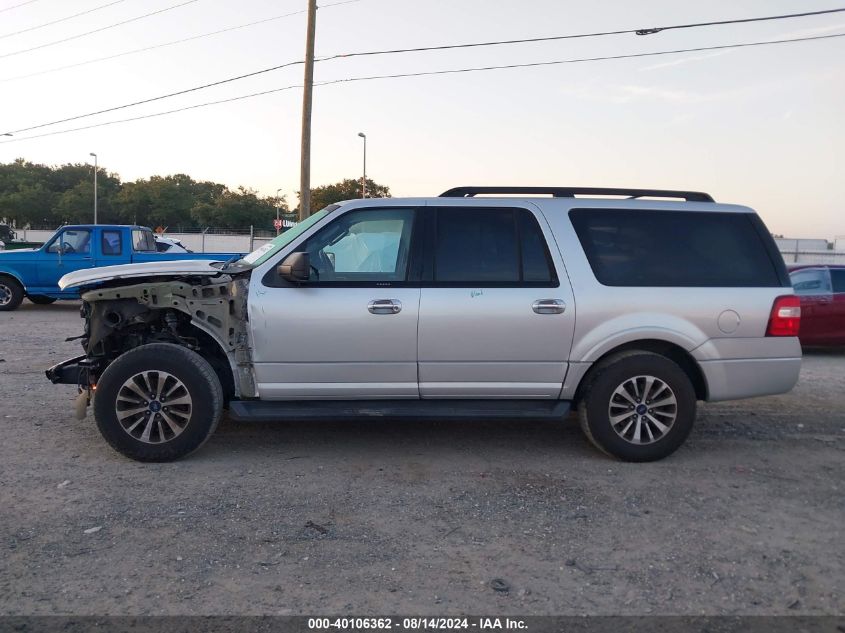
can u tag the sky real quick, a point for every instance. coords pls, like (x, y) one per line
(760, 126)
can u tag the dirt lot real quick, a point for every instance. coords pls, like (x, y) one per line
(417, 518)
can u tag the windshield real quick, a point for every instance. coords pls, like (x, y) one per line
(262, 254)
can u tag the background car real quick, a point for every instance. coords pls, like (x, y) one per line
(821, 288)
(170, 245)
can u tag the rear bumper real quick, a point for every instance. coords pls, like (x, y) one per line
(748, 378)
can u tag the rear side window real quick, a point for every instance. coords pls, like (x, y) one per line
(674, 248)
(143, 241)
(111, 243)
(480, 247)
(837, 276)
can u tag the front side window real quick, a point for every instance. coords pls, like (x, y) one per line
(812, 281)
(478, 247)
(363, 246)
(72, 241)
(143, 241)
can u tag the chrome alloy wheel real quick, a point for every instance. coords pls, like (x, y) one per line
(153, 407)
(5, 294)
(642, 409)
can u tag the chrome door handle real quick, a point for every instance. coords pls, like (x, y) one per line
(549, 306)
(385, 306)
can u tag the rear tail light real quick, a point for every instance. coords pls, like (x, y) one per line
(785, 319)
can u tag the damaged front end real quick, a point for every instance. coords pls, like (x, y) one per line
(205, 314)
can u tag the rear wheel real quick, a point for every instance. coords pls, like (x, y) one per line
(11, 294)
(158, 402)
(638, 406)
(41, 300)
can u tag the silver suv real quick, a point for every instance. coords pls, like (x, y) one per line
(516, 302)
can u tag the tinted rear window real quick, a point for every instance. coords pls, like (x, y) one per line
(837, 276)
(674, 248)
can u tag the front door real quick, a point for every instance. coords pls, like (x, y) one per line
(813, 287)
(350, 331)
(70, 250)
(837, 321)
(496, 309)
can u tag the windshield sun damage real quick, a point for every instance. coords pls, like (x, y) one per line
(262, 254)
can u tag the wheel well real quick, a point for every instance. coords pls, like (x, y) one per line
(13, 278)
(211, 351)
(671, 351)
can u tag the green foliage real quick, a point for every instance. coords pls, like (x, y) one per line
(32, 194)
(345, 190)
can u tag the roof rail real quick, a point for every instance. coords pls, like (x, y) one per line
(571, 192)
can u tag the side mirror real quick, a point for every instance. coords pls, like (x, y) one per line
(295, 267)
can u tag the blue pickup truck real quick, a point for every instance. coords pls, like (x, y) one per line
(35, 273)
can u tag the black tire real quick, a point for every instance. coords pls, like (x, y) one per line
(198, 379)
(41, 300)
(11, 294)
(605, 379)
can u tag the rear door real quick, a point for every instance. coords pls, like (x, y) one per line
(496, 309)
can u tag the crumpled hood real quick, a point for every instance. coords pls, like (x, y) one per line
(169, 268)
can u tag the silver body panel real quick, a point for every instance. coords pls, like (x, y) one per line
(325, 343)
(489, 343)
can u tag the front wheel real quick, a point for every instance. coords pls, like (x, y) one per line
(41, 300)
(639, 407)
(158, 402)
(11, 294)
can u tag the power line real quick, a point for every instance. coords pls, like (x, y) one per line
(99, 30)
(646, 31)
(65, 19)
(430, 73)
(159, 98)
(15, 6)
(171, 43)
(384, 52)
(592, 59)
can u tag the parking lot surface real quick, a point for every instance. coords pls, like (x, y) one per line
(417, 517)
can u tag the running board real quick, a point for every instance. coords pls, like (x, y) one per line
(267, 411)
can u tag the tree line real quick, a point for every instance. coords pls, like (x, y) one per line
(42, 195)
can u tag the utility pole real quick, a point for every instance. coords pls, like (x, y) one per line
(95, 185)
(308, 87)
(278, 224)
(364, 179)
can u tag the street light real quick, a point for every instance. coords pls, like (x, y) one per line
(278, 224)
(364, 179)
(95, 185)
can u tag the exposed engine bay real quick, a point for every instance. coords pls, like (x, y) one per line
(205, 314)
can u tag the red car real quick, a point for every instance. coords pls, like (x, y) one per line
(821, 288)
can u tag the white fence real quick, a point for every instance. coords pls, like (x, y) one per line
(813, 257)
(197, 242)
(244, 242)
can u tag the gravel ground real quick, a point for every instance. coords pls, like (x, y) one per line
(417, 518)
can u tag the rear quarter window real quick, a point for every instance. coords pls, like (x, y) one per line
(143, 241)
(638, 247)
